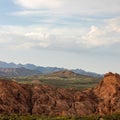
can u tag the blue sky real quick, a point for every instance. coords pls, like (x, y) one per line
(63, 33)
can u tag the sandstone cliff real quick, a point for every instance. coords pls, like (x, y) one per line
(48, 100)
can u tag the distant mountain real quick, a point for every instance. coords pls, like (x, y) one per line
(82, 72)
(47, 70)
(7, 65)
(43, 70)
(17, 72)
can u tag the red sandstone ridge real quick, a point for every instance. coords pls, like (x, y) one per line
(47, 100)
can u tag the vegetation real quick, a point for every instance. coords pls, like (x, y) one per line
(32, 117)
(77, 82)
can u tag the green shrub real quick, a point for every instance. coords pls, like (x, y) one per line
(33, 117)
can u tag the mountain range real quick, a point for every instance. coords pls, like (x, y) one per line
(13, 69)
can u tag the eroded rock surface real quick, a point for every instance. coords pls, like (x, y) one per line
(49, 100)
(108, 93)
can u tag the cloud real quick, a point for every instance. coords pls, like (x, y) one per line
(66, 12)
(61, 38)
(36, 4)
(72, 7)
(37, 36)
(104, 35)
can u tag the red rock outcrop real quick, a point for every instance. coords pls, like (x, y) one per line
(108, 93)
(48, 100)
(14, 98)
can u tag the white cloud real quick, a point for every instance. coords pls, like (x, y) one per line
(91, 38)
(104, 35)
(35, 4)
(37, 36)
(67, 12)
(63, 38)
(71, 6)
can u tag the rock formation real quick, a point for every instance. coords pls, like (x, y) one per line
(49, 100)
(108, 93)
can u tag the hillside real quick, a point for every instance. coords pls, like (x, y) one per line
(61, 79)
(64, 73)
(47, 100)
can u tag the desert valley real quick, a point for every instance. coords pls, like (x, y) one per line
(61, 93)
(59, 59)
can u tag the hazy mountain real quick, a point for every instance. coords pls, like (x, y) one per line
(7, 65)
(82, 72)
(47, 70)
(18, 72)
(43, 70)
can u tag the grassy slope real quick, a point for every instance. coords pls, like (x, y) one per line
(77, 82)
(30, 117)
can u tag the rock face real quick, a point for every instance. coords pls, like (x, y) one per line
(48, 100)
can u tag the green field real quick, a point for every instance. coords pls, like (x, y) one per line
(76, 82)
(32, 117)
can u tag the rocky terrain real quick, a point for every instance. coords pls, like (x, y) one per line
(48, 100)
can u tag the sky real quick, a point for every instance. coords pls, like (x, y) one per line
(83, 34)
